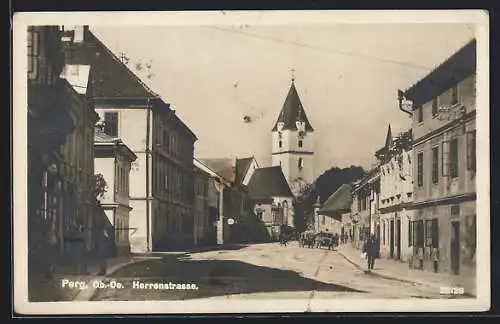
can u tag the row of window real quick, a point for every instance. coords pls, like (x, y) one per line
(170, 140)
(171, 180)
(201, 187)
(425, 233)
(449, 159)
(38, 69)
(300, 143)
(435, 104)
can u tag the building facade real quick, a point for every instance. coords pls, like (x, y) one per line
(60, 140)
(443, 104)
(161, 178)
(271, 199)
(396, 196)
(365, 216)
(329, 215)
(202, 224)
(113, 160)
(293, 143)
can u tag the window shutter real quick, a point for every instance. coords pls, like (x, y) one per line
(445, 160)
(471, 150)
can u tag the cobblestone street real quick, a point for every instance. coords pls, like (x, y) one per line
(259, 271)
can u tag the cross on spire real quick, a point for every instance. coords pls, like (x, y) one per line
(293, 75)
(123, 57)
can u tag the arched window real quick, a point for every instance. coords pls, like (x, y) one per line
(300, 163)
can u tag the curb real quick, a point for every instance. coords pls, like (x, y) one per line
(396, 278)
(386, 276)
(90, 292)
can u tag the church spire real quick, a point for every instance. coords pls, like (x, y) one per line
(292, 111)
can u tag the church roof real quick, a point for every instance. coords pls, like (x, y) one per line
(292, 111)
(338, 202)
(268, 182)
(242, 165)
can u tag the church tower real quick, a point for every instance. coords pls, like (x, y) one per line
(293, 142)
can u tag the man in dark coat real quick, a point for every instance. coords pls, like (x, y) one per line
(372, 250)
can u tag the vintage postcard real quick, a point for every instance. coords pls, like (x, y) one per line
(251, 162)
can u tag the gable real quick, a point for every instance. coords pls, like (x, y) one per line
(268, 183)
(110, 77)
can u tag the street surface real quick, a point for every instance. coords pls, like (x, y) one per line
(257, 271)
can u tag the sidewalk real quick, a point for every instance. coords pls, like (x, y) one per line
(42, 289)
(394, 270)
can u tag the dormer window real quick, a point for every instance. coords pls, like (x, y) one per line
(280, 126)
(301, 126)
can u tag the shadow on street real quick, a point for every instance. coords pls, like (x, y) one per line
(214, 278)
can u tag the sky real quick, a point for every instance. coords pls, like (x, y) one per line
(347, 76)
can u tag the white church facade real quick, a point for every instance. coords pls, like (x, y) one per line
(274, 188)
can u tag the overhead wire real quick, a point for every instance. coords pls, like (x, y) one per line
(325, 49)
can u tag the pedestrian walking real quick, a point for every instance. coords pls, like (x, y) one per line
(372, 250)
(78, 248)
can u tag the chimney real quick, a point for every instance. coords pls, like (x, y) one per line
(79, 34)
(73, 34)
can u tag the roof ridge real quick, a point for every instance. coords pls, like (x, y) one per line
(127, 69)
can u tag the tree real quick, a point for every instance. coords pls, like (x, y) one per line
(300, 217)
(100, 186)
(324, 186)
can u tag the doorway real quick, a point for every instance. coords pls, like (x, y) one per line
(398, 239)
(455, 247)
(391, 239)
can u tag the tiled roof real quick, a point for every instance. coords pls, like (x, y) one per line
(459, 66)
(101, 137)
(269, 182)
(242, 166)
(338, 202)
(292, 111)
(110, 77)
(222, 166)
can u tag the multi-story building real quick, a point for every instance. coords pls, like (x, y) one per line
(365, 207)
(202, 224)
(396, 196)
(161, 178)
(234, 201)
(78, 151)
(113, 160)
(444, 164)
(60, 140)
